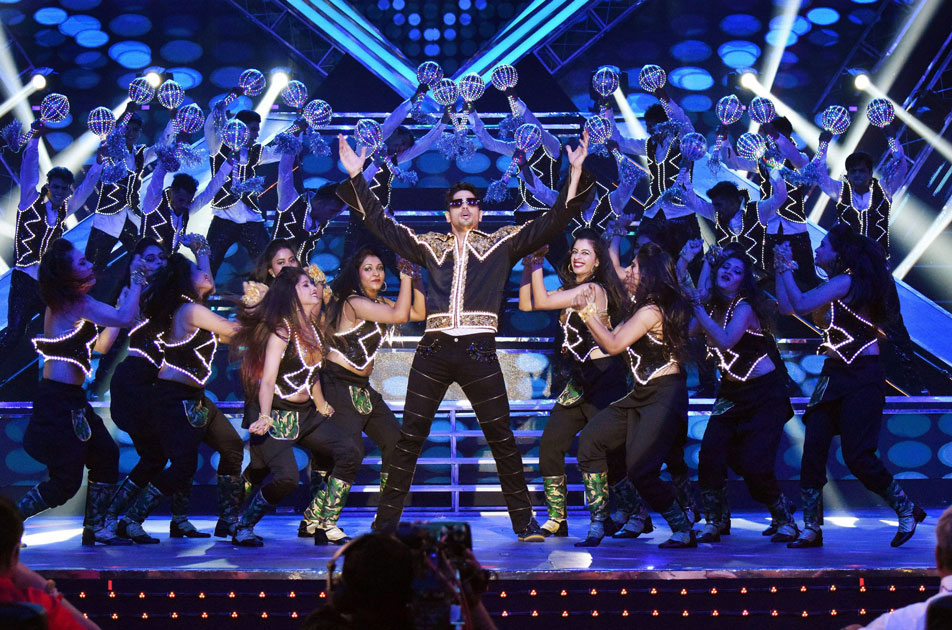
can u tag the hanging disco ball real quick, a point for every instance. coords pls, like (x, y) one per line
(171, 94)
(693, 146)
(318, 114)
(294, 95)
(652, 78)
(729, 109)
(235, 134)
(429, 73)
(504, 77)
(599, 130)
(472, 87)
(101, 122)
(446, 92)
(190, 118)
(54, 108)
(762, 110)
(606, 81)
(751, 146)
(251, 82)
(141, 91)
(835, 119)
(880, 112)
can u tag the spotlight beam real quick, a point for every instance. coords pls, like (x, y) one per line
(21, 95)
(935, 230)
(938, 143)
(277, 84)
(772, 61)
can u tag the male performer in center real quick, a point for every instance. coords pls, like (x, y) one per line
(468, 271)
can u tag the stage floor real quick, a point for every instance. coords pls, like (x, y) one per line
(856, 543)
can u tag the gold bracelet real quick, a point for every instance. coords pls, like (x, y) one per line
(589, 310)
(264, 416)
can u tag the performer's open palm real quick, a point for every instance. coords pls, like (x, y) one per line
(352, 162)
(578, 155)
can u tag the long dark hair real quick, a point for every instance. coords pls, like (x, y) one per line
(140, 248)
(59, 287)
(347, 284)
(170, 288)
(865, 261)
(619, 306)
(764, 307)
(263, 264)
(658, 285)
(279, 309)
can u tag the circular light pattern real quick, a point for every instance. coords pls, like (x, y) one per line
(318, 114)
(171, 94)
(19, 462)
(431, 50)
(606, 80)
(54, 108)
(909, 425)
(78, 23)
(729, 109)
(130, 25)
(181, 51)
(739, 53)
(909, 454)
(186, 77)
(504, 77)
(693, 146)
(92, 38)
(751, 146)
(294, 94)
(446, 92)
(226, 77)
(235, 134)
(472, 87)
(652, 78)
(50, 16)
(800, 24)
(691, 51)
(58, 140)
(11, 17)
(141, 91)
(599, 130)
(762, 110)
(477, 163)
(740, 25)
(823, 16)
(774, 38)
(429, 73)
(696, 103)
(190, 118)
(80, 5)
(824, 37)
(252, 82)
(131, 54)
(880, 112)
(49, 38)
(528, 137)
(835, 119)
(101, 122)
(862, 16)
(692, 78)
(945, 454)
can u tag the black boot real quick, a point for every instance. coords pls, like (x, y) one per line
(812, 534)
(715, 504)
(908, 512)
(311, 523)
(96, 527)
(125, 494)
(774, 526)
(179, 526)
(638, 521)
(231, 493)
(245, 530)
(32, 503)
(781, 517)
(131, 524)
(684, 489)
(682, 534)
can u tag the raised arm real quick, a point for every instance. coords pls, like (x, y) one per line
(395, 119)
(168, 136)
(385, 312)
(208, 193)
(544, 300)
(82, 192)
(422, 145)
(767, 208)
(552, 145)
(789, 151)
(355, 193)
(121, 316)
(694, 201)
(539, 190)
(833, 188)
(287, 191)
(800, 303)
(202, 317)
(720, 336)
(153, 193)
(897, 176)
(539, 232)
(30, 173)
(212, 137)
(733, 161)
(489, 143)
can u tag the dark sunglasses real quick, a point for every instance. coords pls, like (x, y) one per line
(471, 202)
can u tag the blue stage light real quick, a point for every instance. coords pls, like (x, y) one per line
(864, 1)
(773, 38)
(909, 454)
(400, 19)
(691, 78)
(383, 5)
(800, 24)
(449, 34)
(789, 57)
(414, 19)
(130, 25)
(49, 38)
(945, 455)
(80, 5)
(50, 16)
(91, 59)
(181, 51)
(92, 38)
(824, 37)
(414, 34)
(465, 4)
(824, 16)
(131, 54)
(431, 50)
(449, 19)
(696, 103)
(739, 54)
(226, 77)
(740, 25)
(691, 51)
(431, 34)
(78, 23)
(399, 5)
(862, 16)
(188, 78)
(465, 19)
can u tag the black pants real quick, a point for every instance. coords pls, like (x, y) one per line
(322, 438)
(186, 419)
(223, 233)
(469, 360)
(676, 232)
(66, 435)
(802, 247)
(649, 422)
(130, 403)
(25, 303)
(602, 382)
(99, 245)
(848, 401)
(744, 431)
(340, 386)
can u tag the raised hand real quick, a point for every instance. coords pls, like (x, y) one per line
(578, 155)
(352, 162)
(692, 248)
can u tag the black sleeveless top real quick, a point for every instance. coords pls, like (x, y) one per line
(75, 346)
(295, 374)
(193, 355)
(382, 183)
(160, 224)
(847, 334)
(225, 199)
(577, 339)
(872, 222)
(646, 357)
(145, 342)
(546, 168)
(34, 234)
(359, 345)
(663, 174)
(794, 206)
(752, 236)
(114, 197)
(739, 361)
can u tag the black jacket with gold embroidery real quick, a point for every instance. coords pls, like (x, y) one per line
(466, 290)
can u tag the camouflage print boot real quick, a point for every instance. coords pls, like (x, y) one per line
(555, 499)
(812, 534)
(637, 521)
(596, 495)
(336, 497)
(318, 487)
(180, 526)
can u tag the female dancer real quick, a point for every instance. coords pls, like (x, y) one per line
(597, 379)
(650, 419)
(359, 315)
(282, 353)
(751, 405)
(64, 432)
(189, 338)
(130, 393)
(850, 393)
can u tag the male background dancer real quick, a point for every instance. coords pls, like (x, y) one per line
(467, 273)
